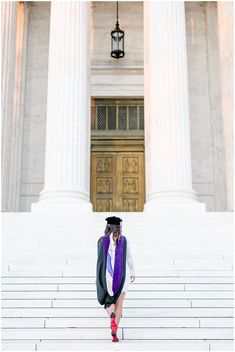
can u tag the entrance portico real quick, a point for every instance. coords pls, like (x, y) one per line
(167, 134)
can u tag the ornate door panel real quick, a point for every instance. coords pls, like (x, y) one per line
(131, 181)
(103, 187)
(117, 181)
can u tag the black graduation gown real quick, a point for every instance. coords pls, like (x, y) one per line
(102, 294)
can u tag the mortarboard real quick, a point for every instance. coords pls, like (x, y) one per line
(113, 220)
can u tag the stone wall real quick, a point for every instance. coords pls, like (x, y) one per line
(112, 77)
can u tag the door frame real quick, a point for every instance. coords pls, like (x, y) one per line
(116, 143)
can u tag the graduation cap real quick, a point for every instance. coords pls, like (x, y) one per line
(113, 220)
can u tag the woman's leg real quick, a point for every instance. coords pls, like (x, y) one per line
(113, 325)
(110, 309)
(118, 307)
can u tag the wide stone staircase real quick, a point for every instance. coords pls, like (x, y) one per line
(182, 298)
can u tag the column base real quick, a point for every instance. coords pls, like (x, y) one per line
(174, 202)
(62, 201)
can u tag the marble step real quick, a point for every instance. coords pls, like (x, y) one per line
(6, 267)
(139, 279)
(24, 254)
(133, 287)
(128, 345)
(21, 255)
(131, 294)
(200, 303)
(130, 312)
(123, 333)
(143, 322)
(40, 271)
(80, 258)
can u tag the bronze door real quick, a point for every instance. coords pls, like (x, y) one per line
(117, 181)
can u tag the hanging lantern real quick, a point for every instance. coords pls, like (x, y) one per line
(117, 41)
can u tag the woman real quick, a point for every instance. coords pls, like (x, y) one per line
(112, 273)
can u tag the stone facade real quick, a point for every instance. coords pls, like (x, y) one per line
(125, 78)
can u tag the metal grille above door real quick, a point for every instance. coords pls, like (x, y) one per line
(112, 115)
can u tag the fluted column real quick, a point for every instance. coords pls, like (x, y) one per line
(67, 165)
(8, 32)
(17, 124)
(167, 129)
(226, 40)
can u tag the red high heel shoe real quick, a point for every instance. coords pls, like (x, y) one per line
(115, 339)
(113, 324)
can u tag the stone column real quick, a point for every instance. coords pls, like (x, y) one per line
(226, 41)
(8, 28)
(167, 129)
(67, 166)
(18, 108)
